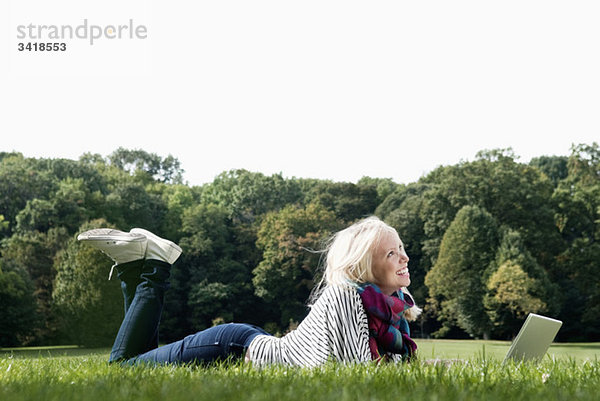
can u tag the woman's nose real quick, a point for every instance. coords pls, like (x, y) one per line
(404, 257)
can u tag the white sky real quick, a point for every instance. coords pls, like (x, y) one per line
(324, 89)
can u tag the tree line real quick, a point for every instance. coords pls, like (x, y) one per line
(489, 241)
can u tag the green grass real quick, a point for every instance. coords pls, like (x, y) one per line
(466, 349)
(72, 374)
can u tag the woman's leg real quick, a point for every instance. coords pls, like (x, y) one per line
(144, 283)
(143, 262)
(213, 344)
(130, 276)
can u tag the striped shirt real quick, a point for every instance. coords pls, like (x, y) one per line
(336, 329)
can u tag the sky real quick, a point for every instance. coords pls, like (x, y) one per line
(316, 89)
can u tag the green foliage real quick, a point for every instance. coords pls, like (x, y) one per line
(66, 208)
(577, 200)
(148, 166)
(288, 240)
(243, 235)
(89, 306)
(511, 293)
(516, 195)
(211, 280)
(33, 252)
(177, 199)
(348, 201)
(246, 195)
(555, 167)
(383, 186)
(18, 312)
(130, 205)
(578, 196)
(20, 181)
(457, 282)
(518, 286)
(580, 284)
(584, 164)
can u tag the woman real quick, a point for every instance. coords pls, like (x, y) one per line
(359, 314)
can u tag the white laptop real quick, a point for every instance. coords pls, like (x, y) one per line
(534, 338)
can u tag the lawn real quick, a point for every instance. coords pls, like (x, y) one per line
(72, 374)
(496, 350)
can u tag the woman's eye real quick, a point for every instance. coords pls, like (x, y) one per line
(391, 254)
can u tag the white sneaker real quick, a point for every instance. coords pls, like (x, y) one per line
(159, 248)
(120, 246)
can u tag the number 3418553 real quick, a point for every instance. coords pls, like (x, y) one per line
(42, 47)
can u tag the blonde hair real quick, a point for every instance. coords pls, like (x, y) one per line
(350, 253)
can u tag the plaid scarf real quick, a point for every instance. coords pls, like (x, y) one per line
(388, 329)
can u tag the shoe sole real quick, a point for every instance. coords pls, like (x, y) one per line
(99, 238)
(108, 234)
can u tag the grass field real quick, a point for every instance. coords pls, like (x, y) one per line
(570, 371)
(496, 350)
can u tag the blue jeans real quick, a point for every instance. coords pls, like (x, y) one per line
(144, 283)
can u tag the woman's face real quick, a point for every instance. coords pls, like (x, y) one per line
(390, 264)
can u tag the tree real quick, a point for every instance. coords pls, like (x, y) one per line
(177, 199)
(555, 167)
(34, 252)
(285, 276)
(516, 195)
(581, 287)
(130, 205)
(383, 186)
(212, 280)
(141, 163)
(18, 313)
(37, 215)
(457, 281)
(348, 201)
(247, 195)
(67, 208)
(510, 299)
(584, 163)
(577, 200)
(548, 211)
(578, 196)
(20, 181)
(65, 169)
(89, 306)
(518, 286)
